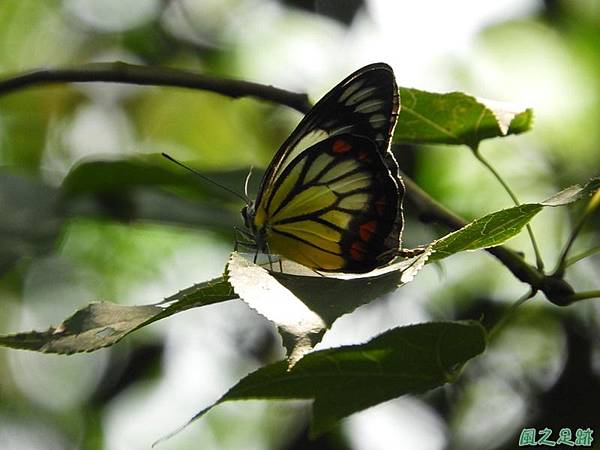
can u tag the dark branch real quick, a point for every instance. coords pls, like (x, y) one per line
(556, 289)
(119, 72)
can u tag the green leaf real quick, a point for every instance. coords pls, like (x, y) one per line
(488, 231)
(303, 304)
(95, 326)
(101, 176)
(345, 380)
(456, 118)
(150, 170)
(498, 227)
(136, 189)
(100, 325)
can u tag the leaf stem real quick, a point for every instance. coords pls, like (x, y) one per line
(589, 210)
(580, 256)
(584, 295)
(509, 314)
(538, 257)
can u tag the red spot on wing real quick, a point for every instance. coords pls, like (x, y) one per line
(358, 251)
(366, 229)
(340, 146)
(363, 156)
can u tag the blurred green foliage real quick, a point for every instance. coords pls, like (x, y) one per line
(90, 212)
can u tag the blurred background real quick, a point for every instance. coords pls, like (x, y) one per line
(76, 228)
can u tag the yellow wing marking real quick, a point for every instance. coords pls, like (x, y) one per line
(316, 167)
(286, 186)
(337, 170)
(305, 202)
(358, 180)
(355, 202)
(339, 218)
(308, 140)
(303, 253)
(312, 233)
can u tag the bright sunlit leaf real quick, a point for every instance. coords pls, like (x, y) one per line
(304, 305)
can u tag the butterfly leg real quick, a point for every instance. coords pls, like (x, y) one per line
(269, 256)
(243, 239)
(235, 239)
(411, 252)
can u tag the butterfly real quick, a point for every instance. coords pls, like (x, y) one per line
(331, 198)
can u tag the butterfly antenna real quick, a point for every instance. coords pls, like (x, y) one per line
(204, 177)
(247, 182)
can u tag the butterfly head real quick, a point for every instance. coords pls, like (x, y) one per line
(258, 231)
(248, 215)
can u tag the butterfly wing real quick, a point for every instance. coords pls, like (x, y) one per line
(366, 103)
(362, 109)
(333, 207)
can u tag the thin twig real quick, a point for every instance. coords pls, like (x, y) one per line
(538, 257)
(561, 264)
(589, 210)
(582, 255)
(120, 72)
(585, 295)
(508, 314)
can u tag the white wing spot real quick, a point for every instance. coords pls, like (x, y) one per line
(308, 140)
(370, 106)
(340, 130)
(378, 120)
(360, 95)
(351, 90)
